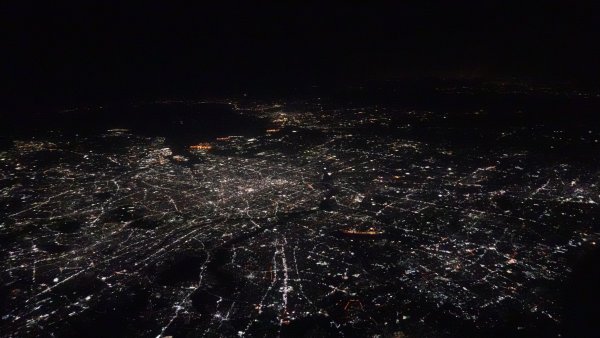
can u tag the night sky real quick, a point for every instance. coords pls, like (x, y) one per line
(91, 50)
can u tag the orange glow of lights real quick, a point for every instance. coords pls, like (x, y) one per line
(368, 232)
(201, 146)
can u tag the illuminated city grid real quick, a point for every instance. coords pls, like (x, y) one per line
(327, 221)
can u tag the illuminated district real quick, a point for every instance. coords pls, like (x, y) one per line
(334, 221)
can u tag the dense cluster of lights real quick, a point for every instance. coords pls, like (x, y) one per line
(323, 222)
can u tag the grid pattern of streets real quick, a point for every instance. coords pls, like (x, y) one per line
(320, 224)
